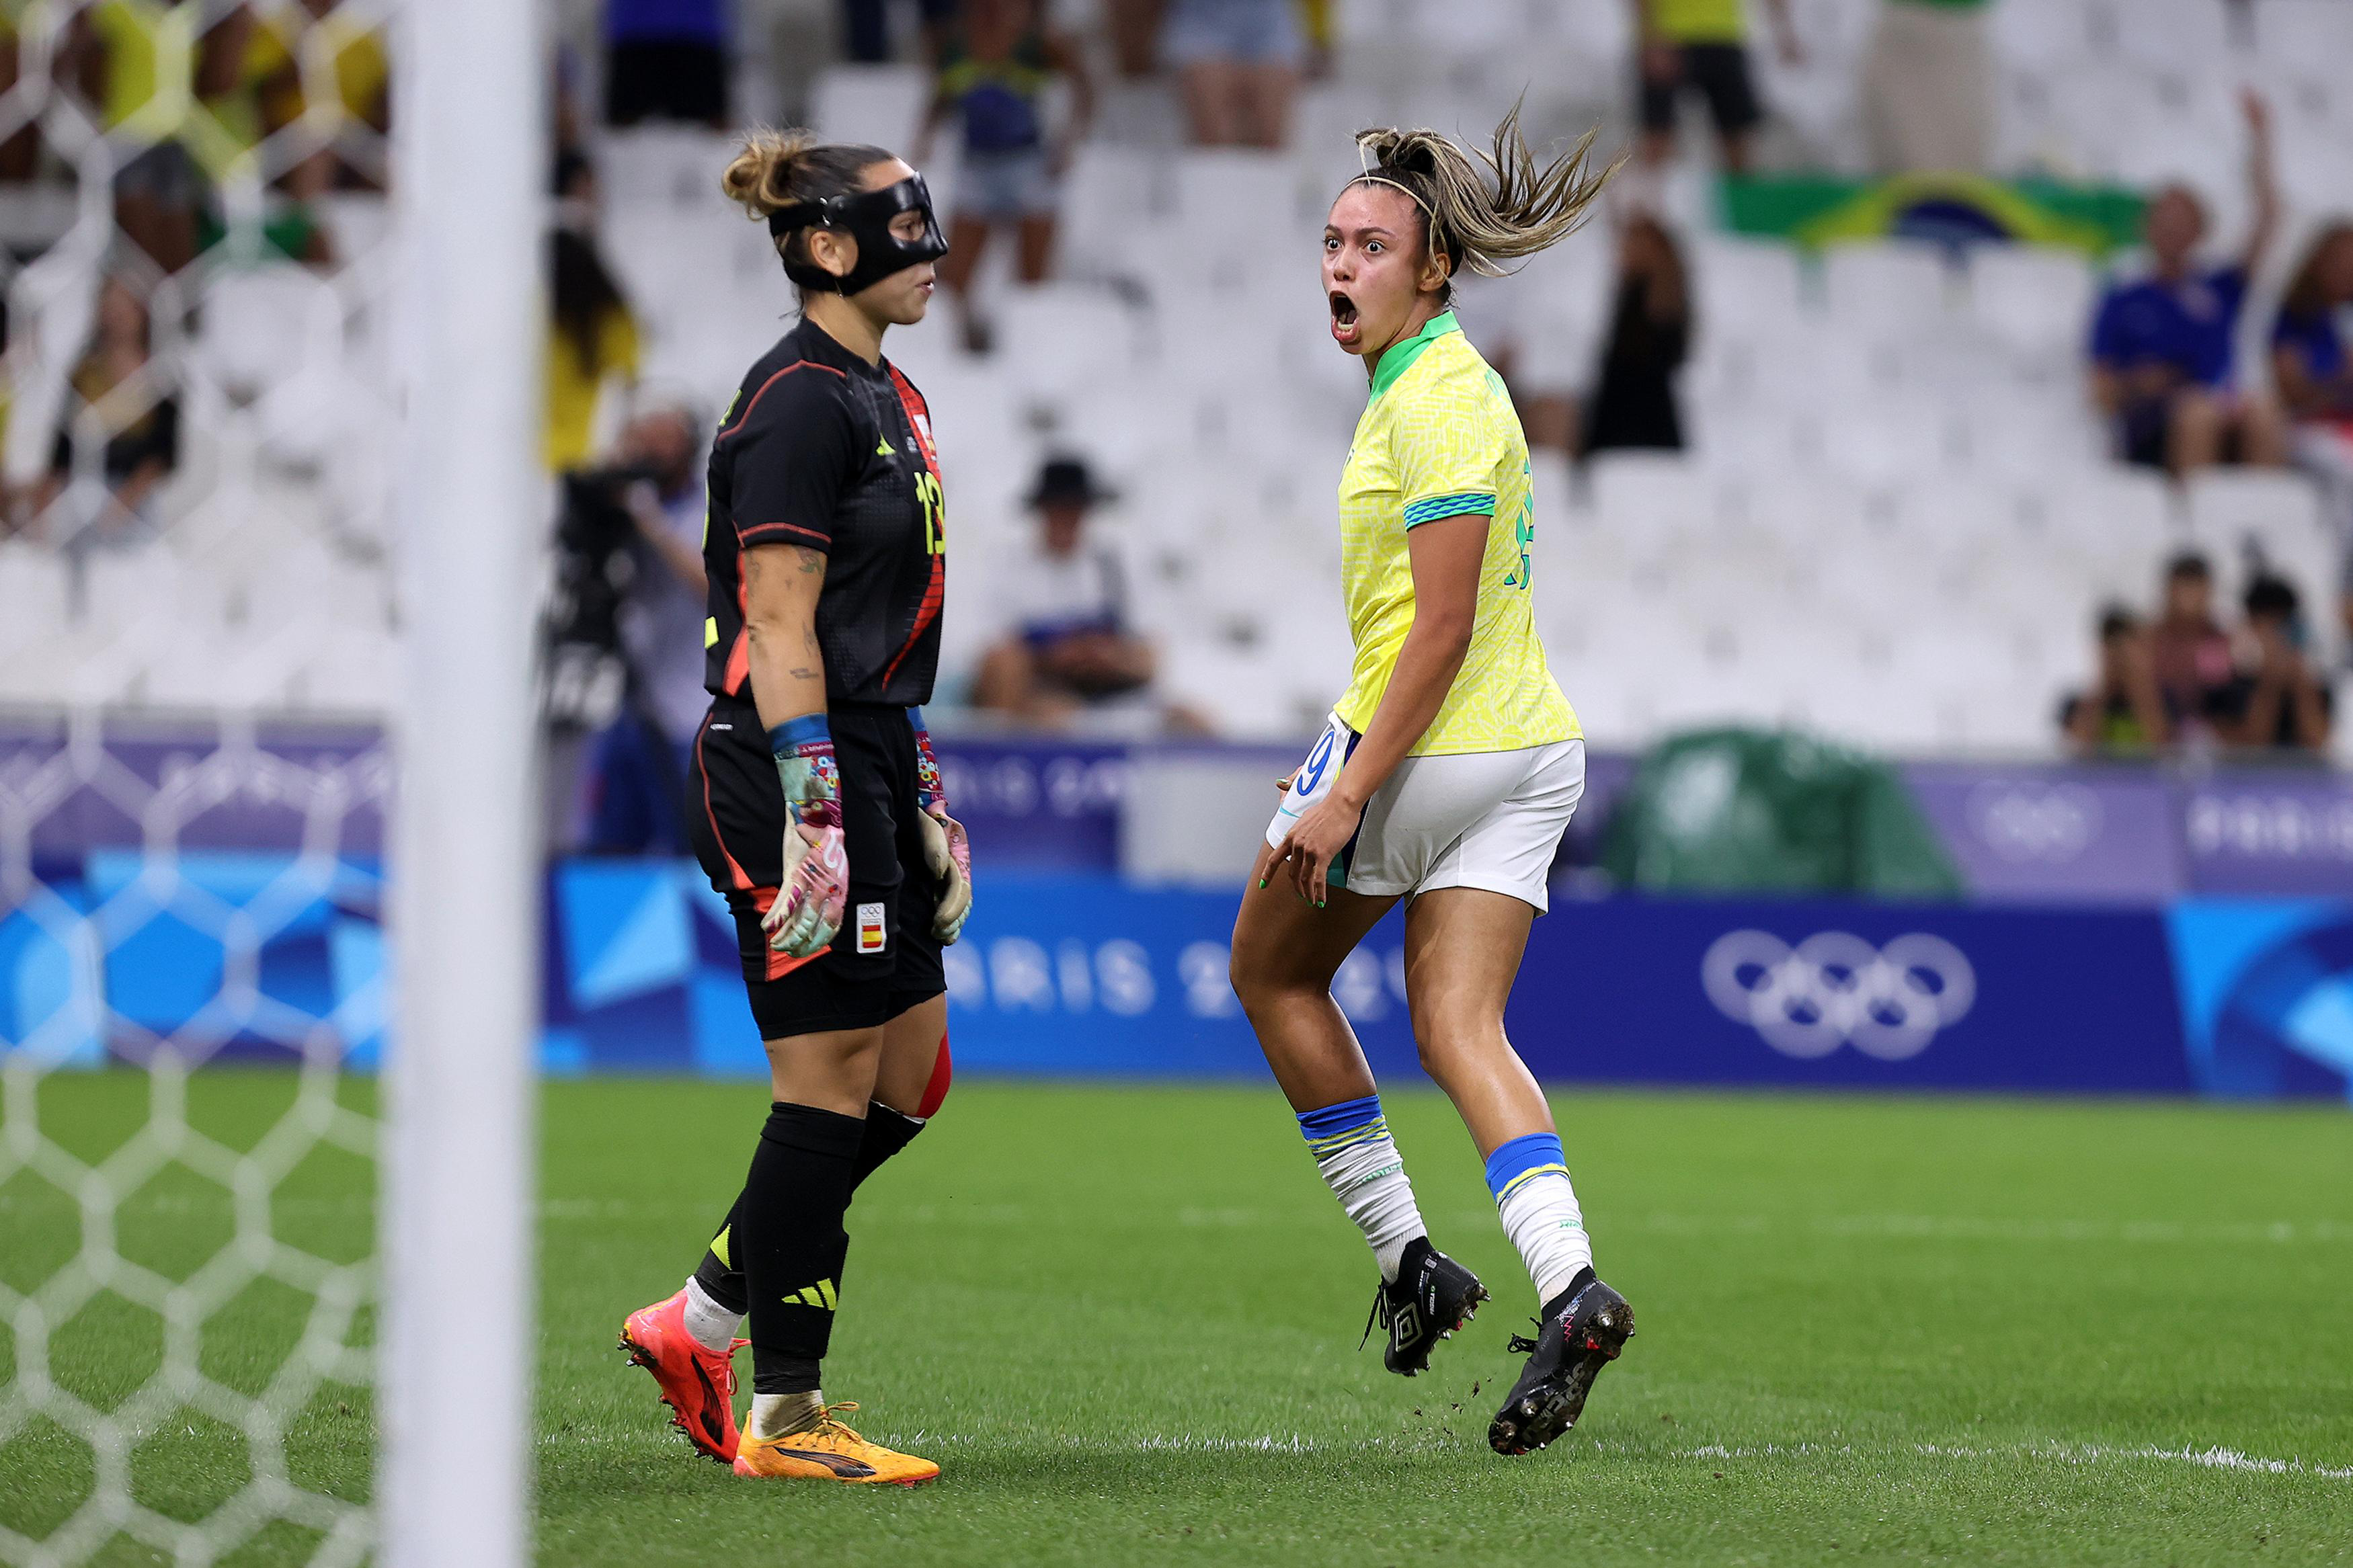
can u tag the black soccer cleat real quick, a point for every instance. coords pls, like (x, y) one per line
(1571, 1347)
(1432, 1297)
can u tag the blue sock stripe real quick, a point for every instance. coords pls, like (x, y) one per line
(1330, 1120)
(1522, 1157)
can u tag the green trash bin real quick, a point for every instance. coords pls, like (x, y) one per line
(1749, 811)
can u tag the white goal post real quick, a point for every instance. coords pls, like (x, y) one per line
(459, 1240)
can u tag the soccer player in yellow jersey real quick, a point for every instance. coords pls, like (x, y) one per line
(1447, 773)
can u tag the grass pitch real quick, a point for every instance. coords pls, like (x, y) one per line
(1125, 1321)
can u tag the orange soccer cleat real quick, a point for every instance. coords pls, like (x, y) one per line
(698, 1384)
(830, 1451)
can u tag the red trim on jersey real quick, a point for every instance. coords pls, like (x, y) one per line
(919, 420)
(743, 882)
(797, 365)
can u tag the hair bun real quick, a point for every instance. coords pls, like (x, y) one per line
(761, 178)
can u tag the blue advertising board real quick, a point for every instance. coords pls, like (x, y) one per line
(1085, 975)
(270, 953)
(2266, 994)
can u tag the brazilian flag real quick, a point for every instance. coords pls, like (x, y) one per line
(1952, 209)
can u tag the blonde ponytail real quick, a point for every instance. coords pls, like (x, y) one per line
(1477, 229)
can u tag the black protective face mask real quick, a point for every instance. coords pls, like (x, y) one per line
(866, 219)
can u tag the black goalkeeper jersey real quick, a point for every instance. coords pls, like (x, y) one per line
(821, 450)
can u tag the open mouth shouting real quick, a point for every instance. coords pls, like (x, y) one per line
(1344, 329)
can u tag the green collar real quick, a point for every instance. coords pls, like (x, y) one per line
(1397, 358)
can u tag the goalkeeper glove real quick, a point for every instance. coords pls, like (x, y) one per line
(947, 853)
(814, 887)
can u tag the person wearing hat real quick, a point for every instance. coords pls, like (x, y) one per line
(1067, 644)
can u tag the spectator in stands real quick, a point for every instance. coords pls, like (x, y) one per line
(595, 336)
(1927, 87)
(2277, 702)
(2315, 376)
(2188, 650)
(666, 60)
(20, 151)
(1701, 45)
(994, 68)
(639, 761)
(147, 66)
(122, 428)
(1237, 63)
(360, 77)
(2163, 349)
(1133, 29)
(2124, 709)
(1066, 645)
(1650, 335)
(866, 29)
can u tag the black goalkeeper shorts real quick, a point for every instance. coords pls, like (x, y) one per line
(885, 959)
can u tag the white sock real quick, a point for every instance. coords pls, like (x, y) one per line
(1541, 1217)
(781, 1414)
(1360, 1163)
(713, 1325)
(1529, 1176)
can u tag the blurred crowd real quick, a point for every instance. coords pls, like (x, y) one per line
(2183, 677)
(212, 124)
(226, 131)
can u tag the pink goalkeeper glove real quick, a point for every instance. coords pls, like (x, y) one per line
(814, 887)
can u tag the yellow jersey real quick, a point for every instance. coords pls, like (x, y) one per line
(575, 385)
(1699, 21)
(1439, 438)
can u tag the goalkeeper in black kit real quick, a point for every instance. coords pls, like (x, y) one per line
(815, 802)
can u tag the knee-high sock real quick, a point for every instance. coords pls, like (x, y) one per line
(787, 1237)
(1360, 1163)
(1529, 1177)
(715, 1299)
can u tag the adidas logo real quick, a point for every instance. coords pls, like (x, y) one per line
(884, 449)
(819, 1295)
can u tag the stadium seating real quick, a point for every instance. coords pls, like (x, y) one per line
(1896, 519)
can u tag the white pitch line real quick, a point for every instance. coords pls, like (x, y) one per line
(2212, 1458)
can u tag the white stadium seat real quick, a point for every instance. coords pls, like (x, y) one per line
(1896, 287)
(879, 104)
(2035, 301)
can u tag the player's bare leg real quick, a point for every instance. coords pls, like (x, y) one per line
(1463, 950)
(1285, 953)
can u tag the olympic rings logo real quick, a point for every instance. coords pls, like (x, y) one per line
(1834, 989)
(2024, 823)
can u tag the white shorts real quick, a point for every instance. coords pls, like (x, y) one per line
(1481, 819)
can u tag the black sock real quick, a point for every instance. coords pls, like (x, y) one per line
(887, 1133)
(786, 1239)
(718, 1274)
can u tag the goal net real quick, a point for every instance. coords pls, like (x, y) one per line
(266, 503)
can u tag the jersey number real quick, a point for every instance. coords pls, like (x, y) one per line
(927, 490)
(1526, 534)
